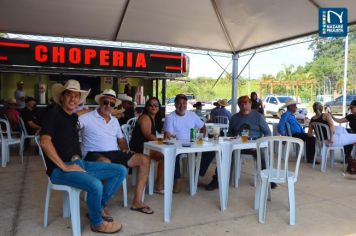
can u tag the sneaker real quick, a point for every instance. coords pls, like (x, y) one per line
(107, 227)
(214, 184)
(177, 188)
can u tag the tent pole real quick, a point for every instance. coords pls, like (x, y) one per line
(344, 92)
(235, 60)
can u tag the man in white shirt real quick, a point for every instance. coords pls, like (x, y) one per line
(103, 141)
(178, 124)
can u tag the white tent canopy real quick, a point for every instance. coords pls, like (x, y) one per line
(215, 25)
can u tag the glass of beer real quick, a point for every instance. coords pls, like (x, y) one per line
(159, 138)
(244, 136)
(216, 133)
(200, 138)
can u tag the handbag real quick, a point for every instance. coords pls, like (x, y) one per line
(351, 166)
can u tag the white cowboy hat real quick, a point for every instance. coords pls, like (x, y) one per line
(223, 102)
(71, 85)
(290, 102)
(107, 93)
(124, 97)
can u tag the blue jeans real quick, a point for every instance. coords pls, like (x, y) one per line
(98, 194)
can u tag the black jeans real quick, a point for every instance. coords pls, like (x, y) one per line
(310, 145)
(206, 159)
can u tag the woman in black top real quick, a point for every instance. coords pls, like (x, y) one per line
(256, 103)
(147, 125)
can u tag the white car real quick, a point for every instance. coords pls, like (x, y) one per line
(273, 105)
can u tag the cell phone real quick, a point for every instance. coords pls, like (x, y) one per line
(186, 145)
(168, 143)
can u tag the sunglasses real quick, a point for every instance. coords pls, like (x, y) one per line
(106, 103)
(153, 105)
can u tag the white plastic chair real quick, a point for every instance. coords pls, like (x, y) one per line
(325, 147)
(289, 133)
(277, 171)
(24, 131)
(8, 140)
(71, 201)
(127, 131)
(220, 119)
(131, 122)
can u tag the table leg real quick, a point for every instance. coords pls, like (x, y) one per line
(194, 167)
(237, 156)
(169, 164)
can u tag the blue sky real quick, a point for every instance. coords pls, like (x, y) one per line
(269, 62)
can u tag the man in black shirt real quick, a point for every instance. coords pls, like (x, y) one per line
(60, 143)
(29, 116)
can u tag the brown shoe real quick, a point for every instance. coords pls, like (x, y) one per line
(177, 188)
(107, 227)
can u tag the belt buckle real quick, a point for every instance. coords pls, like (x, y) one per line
(75, 157)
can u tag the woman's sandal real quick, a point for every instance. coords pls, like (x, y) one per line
(144, 209)
(161, 191)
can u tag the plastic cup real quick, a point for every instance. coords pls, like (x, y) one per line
(159, 138)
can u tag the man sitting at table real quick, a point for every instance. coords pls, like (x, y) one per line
(296, 129)
(60, 144)
(178, 124)
(245, 119)
(103, 141)
(216, 114)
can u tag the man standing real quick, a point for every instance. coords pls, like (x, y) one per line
(60, 143)
(296, 129)
(178, 124)
(29, 116)
(20, 95)
(246, 119)
(103, 141)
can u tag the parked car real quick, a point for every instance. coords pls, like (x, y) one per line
(335, 106)
(273, 105)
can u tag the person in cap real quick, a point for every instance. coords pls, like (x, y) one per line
(30, 117)
(296, 129)
(215, 115)
(12, 114)
(103, 141)
(60, 143)
(351, 118)
(20, 95)
(178, 124)
(128, 106)
(245, 119)
(338, 135)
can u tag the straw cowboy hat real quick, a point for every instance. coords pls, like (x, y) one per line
(290, 102)
(198, 104)
(71, 85)
(223, 102)
(11, 101)
(107, 93)
(124, 97)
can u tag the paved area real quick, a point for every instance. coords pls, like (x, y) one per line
(325, 205)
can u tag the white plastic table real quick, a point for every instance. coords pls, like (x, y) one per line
(223, 160)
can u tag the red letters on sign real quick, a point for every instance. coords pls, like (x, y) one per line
(88, 55)
(41, 53)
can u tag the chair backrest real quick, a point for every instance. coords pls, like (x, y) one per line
(6, 124)
(277, 162)
(319, 130)
(38, 143)
(288, 130)
(132, 121)
(126, 131)
(220, 119)
(23, 127)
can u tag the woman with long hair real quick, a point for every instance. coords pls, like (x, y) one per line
(338, 135)
(147, 125)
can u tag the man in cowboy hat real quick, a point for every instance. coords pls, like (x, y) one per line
(103, 141)
(296, 129)
(60, 143)
(12, 114)
(128, 106)
(220, 112)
